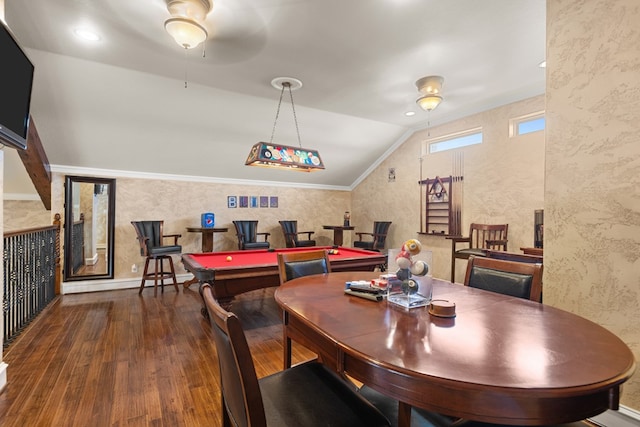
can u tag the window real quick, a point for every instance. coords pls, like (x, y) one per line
(457, 140)
(526, 124)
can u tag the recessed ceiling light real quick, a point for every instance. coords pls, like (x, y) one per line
(543, 64)
(86, 34)
(410, 113)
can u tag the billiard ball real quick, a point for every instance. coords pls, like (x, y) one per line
(419, 268)
(413, 246)
(229, 258)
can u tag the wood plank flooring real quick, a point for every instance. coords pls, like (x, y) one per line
(119, 359)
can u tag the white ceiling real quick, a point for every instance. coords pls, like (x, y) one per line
(358, 61)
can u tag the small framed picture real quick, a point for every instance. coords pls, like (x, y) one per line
(273, 201)
(254, 201)
(264, 201)
(244, 201)
(232, 202)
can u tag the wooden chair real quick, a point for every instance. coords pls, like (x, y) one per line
(514, 256)
(298, 264)
(481, 237)
(379, 236)
(309, 394)
(247, 232)
(291, 233)
(518, 279)
(151, 239)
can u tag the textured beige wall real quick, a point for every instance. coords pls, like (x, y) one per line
(180, 204)
(503, 183)
(23, 214)
(592, 196)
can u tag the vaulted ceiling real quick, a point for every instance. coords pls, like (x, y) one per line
(120, 103)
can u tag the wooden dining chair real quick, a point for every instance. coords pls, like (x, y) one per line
(297, 264)
(374, 241)
(248, 236)
(518, 279)
(481, 237)
(291, 235)
(309, 394)
(292, 265)
(152, 246)
(518, 257)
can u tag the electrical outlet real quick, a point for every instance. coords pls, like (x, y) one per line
(134, 268)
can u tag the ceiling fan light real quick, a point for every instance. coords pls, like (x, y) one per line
(196, 10)
(430, 85)
(429, 102)
(186, 32)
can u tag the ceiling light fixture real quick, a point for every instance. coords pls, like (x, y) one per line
(431, 88)
(186, 24)
(287, 157)
(86, 34)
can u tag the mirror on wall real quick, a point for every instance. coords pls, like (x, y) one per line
(89, 227)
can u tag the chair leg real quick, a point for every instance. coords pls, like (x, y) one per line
(145, 273)
(159, 275)
(453, 269)
(173, 273)
(155, 278)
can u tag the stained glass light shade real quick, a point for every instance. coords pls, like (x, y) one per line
(284, 157)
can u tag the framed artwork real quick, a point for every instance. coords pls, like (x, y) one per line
(273, 201)
(254, 201)
(244, 201)
(232, 202)
(264, 201)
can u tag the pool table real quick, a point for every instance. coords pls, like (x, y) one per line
(257, 269)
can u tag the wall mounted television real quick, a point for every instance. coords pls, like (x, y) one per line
(16, 81)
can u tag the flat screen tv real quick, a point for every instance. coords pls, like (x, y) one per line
(16, 80)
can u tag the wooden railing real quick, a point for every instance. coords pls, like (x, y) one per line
(32, 275)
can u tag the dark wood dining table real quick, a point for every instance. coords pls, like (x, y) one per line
(500, 359)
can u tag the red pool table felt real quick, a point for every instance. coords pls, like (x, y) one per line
(257, 269)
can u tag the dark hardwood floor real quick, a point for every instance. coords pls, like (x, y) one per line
(119, 359)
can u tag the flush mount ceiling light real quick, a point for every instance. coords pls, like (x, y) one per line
(86, 34)
(269, 154)
(431, 88)
(186, 24)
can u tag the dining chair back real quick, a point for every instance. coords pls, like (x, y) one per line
(481, 237)
(151, 239)
(513, 256)
(292, 265)
(291, 235)
(518, 279)
(248, 236)
(376, 240)
(310, 394)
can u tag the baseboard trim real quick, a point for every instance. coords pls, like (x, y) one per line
(77, 287)
(624, 417)
(3, 376)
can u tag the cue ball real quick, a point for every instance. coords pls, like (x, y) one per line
(229, 258)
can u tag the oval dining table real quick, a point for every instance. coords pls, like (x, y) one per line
(500, 359)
